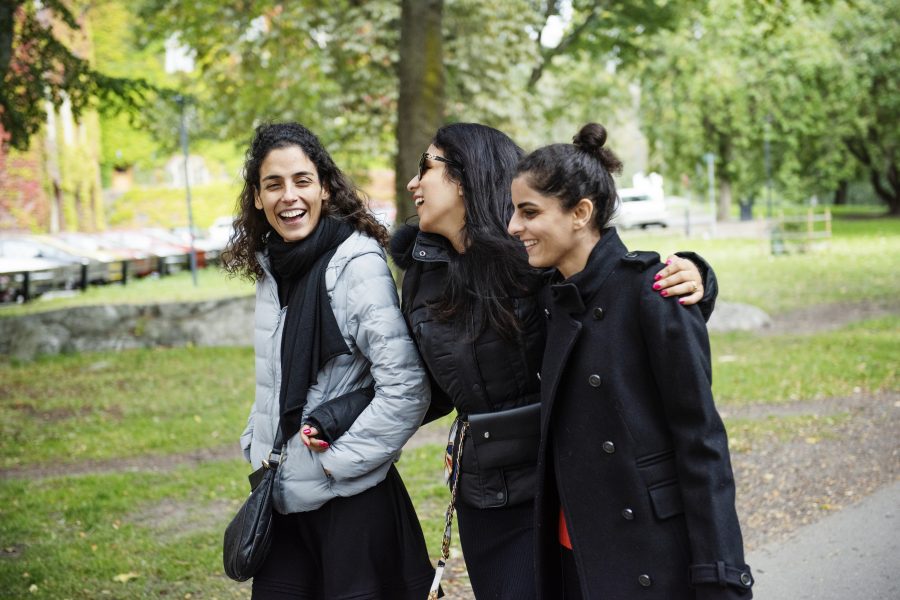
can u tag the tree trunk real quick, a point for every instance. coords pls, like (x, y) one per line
(420, 109)
(840, 194)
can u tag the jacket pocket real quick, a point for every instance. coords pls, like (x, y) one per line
(666, 500)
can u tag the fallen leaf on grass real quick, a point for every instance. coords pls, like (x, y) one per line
(125, 577)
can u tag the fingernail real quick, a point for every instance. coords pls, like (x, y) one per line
(657, 276)
(305, 443)
(664, 293)
(307, 431)
(681, 301)
(324, 444)
(669, 262)
(656, 286)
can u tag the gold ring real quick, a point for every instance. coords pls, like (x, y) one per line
(696, 287)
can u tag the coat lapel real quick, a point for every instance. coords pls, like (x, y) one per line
(560, 341)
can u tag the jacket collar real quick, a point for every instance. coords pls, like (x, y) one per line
(431, 247)
(571, 294)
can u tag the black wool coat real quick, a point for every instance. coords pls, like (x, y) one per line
(632, 446)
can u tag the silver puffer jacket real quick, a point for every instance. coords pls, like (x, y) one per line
(364, 300)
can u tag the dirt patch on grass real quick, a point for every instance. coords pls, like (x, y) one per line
(172, 519)
(145, 463)
(827, 317)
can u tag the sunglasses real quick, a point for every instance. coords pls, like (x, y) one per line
(423, 162)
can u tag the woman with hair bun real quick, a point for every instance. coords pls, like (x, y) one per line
(635, 491)
(327, 330)
(469, 298)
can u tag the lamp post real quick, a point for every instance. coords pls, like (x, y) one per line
(187, 186)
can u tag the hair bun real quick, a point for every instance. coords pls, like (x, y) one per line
(590, 138)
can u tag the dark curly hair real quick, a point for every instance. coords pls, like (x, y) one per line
(251, 228)
(570, 172)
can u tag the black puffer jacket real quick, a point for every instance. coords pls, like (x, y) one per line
(487, 374)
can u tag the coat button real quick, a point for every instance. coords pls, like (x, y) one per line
(628, 514)
(421, 253)
(746, 579)
(598, 314)
(487, 434)
(632, 255)
(594, 380)
(609, 447)
(547, 313)
(499, 495)
(644, 580)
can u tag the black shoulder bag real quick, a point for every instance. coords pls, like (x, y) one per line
(249, 535)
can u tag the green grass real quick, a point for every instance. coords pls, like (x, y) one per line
(72, 537)
(856, 265)
(777, 369)
(105, 405)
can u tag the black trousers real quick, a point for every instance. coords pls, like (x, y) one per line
(366, 547)
(498, 546)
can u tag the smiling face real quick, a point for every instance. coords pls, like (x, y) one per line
(438, 200)
(290, 193)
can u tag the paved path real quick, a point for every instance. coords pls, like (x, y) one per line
(851, 555)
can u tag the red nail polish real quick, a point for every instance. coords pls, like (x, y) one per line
(307, 431)
(657, 277)
(669, 262)
(324, 444)
(656, 286)
(681, 301)
(664, 293)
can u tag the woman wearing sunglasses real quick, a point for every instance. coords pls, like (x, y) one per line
(469, 300)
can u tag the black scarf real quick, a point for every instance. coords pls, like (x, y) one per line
(311, 336)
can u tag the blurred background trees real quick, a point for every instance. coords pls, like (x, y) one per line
(793, 99)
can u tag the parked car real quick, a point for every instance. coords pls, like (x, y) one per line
(167, 257)
(640, 208)
(77, 269)
(103, 266)
(24, 278)
(133, 263)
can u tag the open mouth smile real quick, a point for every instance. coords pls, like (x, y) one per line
(292, 215)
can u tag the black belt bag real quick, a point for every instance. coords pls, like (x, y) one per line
(506, 438)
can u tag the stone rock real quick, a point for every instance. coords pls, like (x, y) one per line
(225, 322)
(734, 316)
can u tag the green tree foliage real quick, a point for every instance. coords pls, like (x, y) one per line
(37, 64)
(870, 39)
(742, 73)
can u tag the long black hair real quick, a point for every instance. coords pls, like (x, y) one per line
(494, 267)
(251, 228)
(570, 172)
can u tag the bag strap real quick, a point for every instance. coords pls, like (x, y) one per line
(274, 458)
(448, 517)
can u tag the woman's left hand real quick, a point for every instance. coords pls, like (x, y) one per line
(680, 278)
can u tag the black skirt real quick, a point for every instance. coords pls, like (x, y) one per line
(366, 547)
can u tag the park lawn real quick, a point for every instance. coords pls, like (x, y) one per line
(105, 405)
(857, 265)
(859, 358)
(97, 406)
(157, 533)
